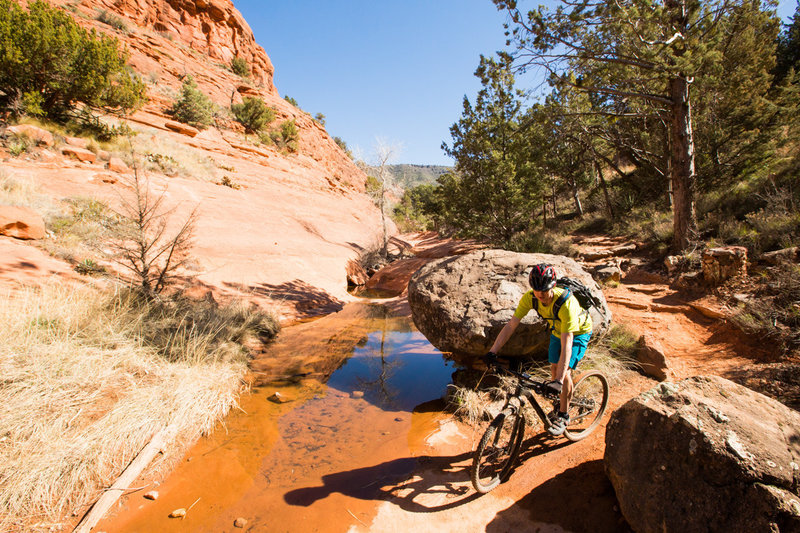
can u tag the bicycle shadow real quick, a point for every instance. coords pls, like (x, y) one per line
(415, 484)
(421, 484)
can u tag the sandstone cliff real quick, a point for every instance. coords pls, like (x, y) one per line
(284, 231)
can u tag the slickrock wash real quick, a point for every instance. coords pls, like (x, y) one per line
(705, 454)
(461, 303)
(273, 227)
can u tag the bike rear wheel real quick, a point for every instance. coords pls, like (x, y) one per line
(589, 402)
(497, 451)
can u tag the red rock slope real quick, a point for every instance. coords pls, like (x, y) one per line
(285, 236)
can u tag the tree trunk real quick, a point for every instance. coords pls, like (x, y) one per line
(682, 165)
(668, 159)
(602, 179)
(544, 213)
(385, 250)
(576, 197)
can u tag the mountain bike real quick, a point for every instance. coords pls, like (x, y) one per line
(500, 445)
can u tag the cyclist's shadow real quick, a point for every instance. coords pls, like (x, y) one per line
(421, 484)
(417, 484)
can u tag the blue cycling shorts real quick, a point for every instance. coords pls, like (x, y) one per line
(579, 343)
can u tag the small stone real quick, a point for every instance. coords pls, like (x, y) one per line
(772, 464)
(398, 419)
(178, 513)
(357, 394)
(152, 495)
(277, 397)
(239, 522)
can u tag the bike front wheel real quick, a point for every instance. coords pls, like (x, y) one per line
(588, 403)
(497, 451)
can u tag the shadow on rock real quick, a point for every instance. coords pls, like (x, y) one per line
(580, 499)
(309, 301)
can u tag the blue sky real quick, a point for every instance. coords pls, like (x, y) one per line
(396, 70)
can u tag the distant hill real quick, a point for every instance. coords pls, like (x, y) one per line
(409, 176)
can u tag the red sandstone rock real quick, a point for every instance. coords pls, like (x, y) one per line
(281, 241)
(182, 128)
(21, 223)
(722, 263)
(81, 154)
(355, 274)
(32, 132)
(77, 141)
(211, 27)
(115, 164)
(652, 358)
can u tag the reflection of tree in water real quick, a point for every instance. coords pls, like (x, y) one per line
(384, 366)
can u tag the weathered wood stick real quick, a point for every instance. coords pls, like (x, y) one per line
(112, 494)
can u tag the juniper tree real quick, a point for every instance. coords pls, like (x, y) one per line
(48, 64)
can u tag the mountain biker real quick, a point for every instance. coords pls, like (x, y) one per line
(570, 333)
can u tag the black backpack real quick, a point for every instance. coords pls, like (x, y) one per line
(571, 287)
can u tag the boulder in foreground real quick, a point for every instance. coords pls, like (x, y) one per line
(705, 454)
(461, 303)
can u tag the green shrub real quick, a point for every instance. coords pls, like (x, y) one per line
(44, 52)
(319, 117)
(240, 67)
(19, 145)
(193, 107)
(112, 20)
(253, 114)
(291, 101)
(286, 136)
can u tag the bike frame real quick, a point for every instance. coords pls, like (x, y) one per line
(528, 393)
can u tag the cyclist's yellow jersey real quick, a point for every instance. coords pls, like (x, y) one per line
(571, 317)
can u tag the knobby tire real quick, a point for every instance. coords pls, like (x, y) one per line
(588, 404)
(497, 451)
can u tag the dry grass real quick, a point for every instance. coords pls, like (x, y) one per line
(84, 386)
(21, 191)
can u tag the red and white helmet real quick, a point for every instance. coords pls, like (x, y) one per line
(543, 277)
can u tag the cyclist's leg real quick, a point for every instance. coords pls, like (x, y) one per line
(554, 354)
(579, 343)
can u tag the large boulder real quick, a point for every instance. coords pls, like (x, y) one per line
(461, 303)
(703, 455)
